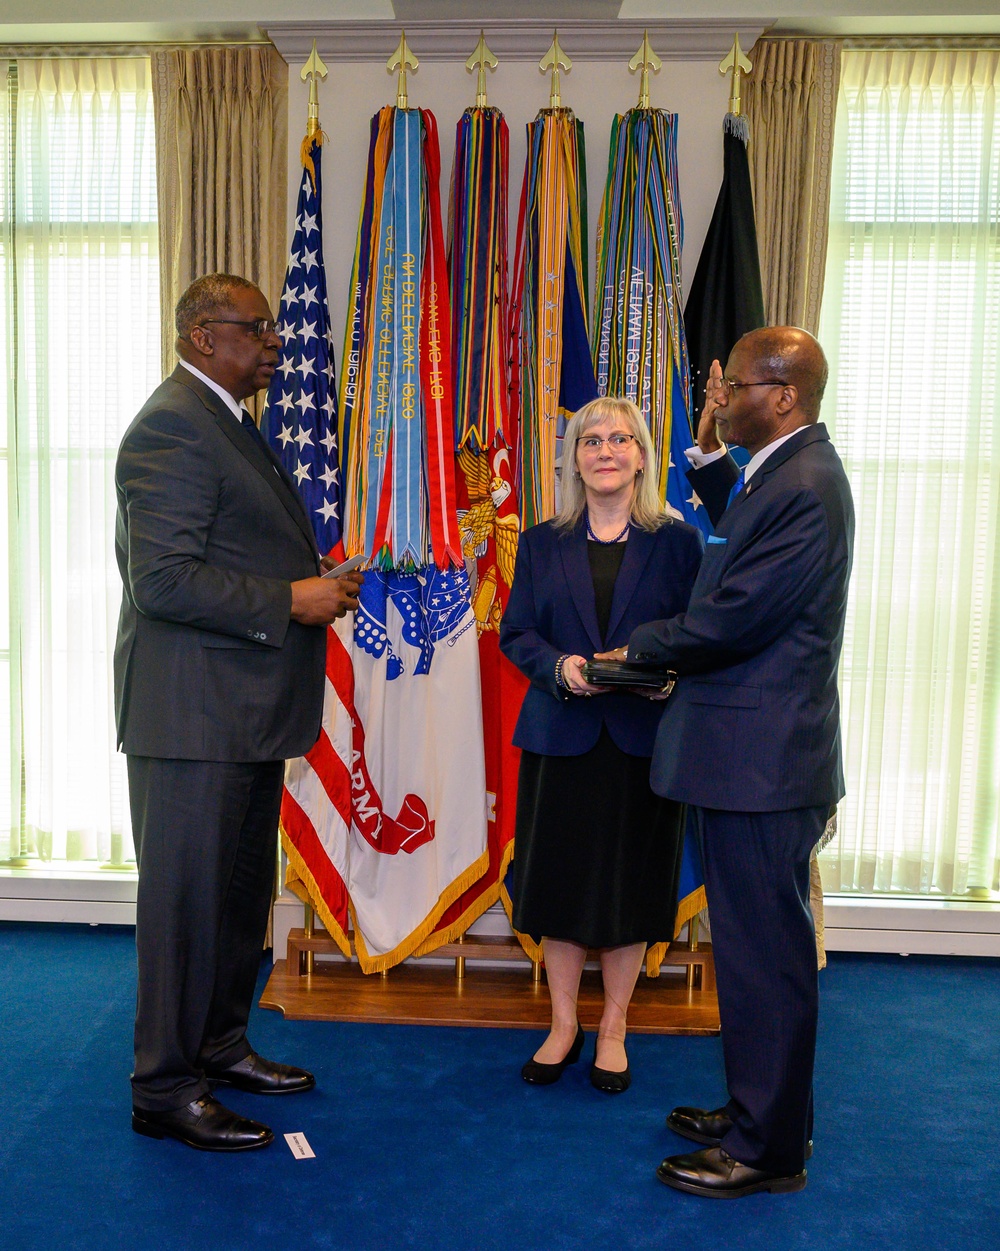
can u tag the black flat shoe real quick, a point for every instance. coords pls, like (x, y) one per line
(258, 1076)
(545, 1074)
(611, 1083)
(708, 1128)
(714, 1174)
(204, 1124)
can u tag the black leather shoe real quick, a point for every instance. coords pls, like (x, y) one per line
(258, 1076)
(707, 1127)
(611, 1083)
(204, 1124)
(714, 1174)
(545, 1074)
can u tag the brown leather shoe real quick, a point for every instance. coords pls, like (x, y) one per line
(707, 1127)
(714, 1174)
(204, 1124)
(258, 1076)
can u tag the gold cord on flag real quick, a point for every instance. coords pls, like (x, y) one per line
(735, 63)
(644, 61)
(482, 59)
(554, 62)
(402, 59)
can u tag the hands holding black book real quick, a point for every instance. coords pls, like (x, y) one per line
(611, 671)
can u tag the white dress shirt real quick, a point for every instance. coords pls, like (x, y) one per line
(234, 406)
(700, 459)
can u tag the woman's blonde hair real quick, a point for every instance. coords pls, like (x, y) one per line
(648, 510)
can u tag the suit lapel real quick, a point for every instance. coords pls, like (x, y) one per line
(638, 550)
(576, 566)
(261, 457)
(801, 438)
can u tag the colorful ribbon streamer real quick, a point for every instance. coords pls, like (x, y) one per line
(396, 404)
(639, 345)
(551, 372)
(479, 279)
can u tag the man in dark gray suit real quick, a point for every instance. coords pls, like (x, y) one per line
(219, 676)
(751, 739)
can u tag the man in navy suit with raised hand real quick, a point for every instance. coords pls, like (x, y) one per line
(751, 739)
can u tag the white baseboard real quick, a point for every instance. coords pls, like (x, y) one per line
(912, 926)
(90, 896)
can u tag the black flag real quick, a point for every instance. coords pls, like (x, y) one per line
(725, 299)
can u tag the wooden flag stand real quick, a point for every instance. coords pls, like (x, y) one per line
(427, 991)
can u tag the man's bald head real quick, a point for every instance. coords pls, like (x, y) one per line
(794, 356)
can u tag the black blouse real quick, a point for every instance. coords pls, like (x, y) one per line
(605, 562)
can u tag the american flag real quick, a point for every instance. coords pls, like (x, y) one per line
(300, 413)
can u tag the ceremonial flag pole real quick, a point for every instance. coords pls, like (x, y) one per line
(640, 350)
(300, 423)
(725, 299)
(398, 777)
(488, 507)
(639, 343)
(552, 374)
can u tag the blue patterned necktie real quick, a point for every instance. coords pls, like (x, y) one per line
(737, 488)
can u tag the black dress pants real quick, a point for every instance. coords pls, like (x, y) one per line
(205, 835)
(764, 944)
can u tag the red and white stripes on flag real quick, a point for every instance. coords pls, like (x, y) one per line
(385, 819)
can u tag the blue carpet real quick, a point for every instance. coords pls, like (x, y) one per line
(427, 1138)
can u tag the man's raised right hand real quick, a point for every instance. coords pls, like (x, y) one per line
(318, 601)
(708, 437)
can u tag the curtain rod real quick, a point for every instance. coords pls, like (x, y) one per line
(38, 51)
(890, 42)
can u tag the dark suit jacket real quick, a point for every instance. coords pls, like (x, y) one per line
(208, 665)
(755, 724)
(551, 612)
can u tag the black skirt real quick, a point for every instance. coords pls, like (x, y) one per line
(597, 854)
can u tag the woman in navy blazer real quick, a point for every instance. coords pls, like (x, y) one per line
(598, 853)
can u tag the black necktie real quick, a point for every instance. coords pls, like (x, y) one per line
(248, 423)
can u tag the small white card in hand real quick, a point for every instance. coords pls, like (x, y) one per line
(299, 1147)
(348, 566)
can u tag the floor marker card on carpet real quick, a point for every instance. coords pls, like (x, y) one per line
(299, 1147)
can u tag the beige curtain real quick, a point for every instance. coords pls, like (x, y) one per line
(911, 326)
(790, 101)
(221, 167)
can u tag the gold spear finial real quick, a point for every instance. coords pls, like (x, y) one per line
(314, 68)
(403, 60)
(645, 60)
(481, 60)
(555, 60)
(735, 60)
